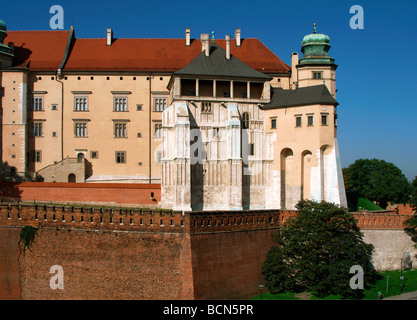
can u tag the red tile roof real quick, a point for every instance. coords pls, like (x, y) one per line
(45, 50)
(163, 55)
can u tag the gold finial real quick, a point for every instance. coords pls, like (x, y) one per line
(315, 30)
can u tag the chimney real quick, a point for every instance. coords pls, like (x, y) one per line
(228, 47)
(187, 37)
(109, 36)
(237, 37)
(294, 74)
(205, 43)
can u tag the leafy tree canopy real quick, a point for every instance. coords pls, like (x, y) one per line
(377, 180)
(315, 252)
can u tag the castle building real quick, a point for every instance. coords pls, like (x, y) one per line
(219, 123)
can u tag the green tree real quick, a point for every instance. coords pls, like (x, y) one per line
(315, 252)
(411, 224)
(414, 194)
(377, 180)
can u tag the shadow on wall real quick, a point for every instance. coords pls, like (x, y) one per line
(8, 178)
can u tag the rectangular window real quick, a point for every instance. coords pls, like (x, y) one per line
(94, 154)
(273, 123)
(206, 107)
(80, 129)
(120, 130)
(37, 129)
(81, 104)
(120, 156)
(310, 120)
(298, 121)
(120, 104)
(36, 156)
(159, 104)
(251, 149)
(158, 157)
(317, 75)
(37, 104)
(324, 120)
(158, 130)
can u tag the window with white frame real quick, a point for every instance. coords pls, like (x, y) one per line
(158, 131)
(80, 103)
(37, 104)
(120, 130)
(80, 129)
(120, 104)
(37, 129)
(160, 103)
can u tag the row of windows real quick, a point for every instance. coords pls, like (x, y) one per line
(120, 104)
(298, 121)
(107, 78)
(120, 156)
(80, 130)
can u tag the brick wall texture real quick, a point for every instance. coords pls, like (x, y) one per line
(146, 254)
(92, 193)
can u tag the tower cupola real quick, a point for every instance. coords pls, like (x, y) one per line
(315, 48)
(6, 52)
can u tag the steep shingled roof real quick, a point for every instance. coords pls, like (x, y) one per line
(216, 64)
(318, 94)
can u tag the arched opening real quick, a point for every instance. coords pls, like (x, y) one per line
(80, 157)
(287, 159)
(72, 178)
(325, 151)
(245, 120)
(305, 174)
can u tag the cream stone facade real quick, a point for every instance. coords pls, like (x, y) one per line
(220, 123)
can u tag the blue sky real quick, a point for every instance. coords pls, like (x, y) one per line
(376, 78)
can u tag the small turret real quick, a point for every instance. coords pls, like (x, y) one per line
(6, 52)
(315, 48)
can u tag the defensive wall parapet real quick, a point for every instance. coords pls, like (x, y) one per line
(132, 253)
(93, 218)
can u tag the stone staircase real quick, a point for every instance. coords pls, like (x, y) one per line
(66, 170)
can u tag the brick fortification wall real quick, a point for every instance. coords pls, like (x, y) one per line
(91, 193)
(151, 254)
(135, 254)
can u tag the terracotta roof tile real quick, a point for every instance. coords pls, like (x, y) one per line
(164, 55)
(43, 49)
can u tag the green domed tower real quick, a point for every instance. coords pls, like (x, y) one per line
(315, 48)
(316, 66)
(6, 52)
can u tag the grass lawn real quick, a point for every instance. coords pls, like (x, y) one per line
(394, 288)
